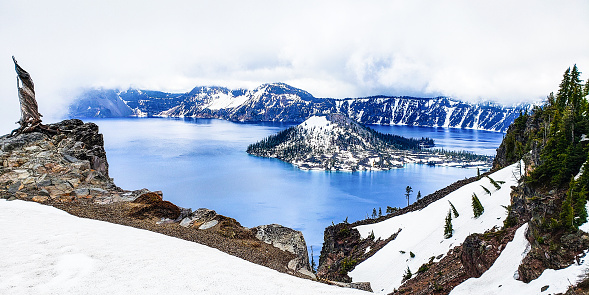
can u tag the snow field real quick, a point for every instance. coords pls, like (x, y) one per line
(47, 251)
(422, 232)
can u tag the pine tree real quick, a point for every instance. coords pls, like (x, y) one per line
(497, 186)
(313, 264)
(408, 191)
(407, 274)
(379, 212)
(486, 190)
(448, 226)
(373, 213)
(454, 210)
(567, 213)
(477, 207)
(418, 195)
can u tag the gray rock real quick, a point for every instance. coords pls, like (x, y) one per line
(14, 187)
(286, 239)
(203, 215)
(186, 222)
(208, 224)
(70, 159)
(82, 192)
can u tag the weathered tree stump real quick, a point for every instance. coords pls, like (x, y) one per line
(30, 118)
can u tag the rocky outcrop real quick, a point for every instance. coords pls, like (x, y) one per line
(343, 249)
(469, 260)
(66, 166)
(289, 240)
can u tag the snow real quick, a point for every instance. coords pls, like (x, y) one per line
(500, 278)
(422, 232)
(580, 171)
(225, 101)
(316, 122)
(47, 251)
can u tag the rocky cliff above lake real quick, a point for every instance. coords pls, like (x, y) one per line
(69, 171)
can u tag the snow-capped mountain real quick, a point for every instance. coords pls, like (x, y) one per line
(336, 142)
(284, 103)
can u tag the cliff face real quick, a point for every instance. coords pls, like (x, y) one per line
(69, 165)
(70, 171)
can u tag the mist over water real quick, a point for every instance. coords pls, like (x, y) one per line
(202, 163)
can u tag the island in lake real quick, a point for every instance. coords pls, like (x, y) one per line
(336, 142)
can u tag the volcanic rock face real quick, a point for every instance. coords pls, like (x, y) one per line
(66, 166)
(286, 239)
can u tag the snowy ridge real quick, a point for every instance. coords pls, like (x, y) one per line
(422, 232)
(47, 251)
(283, 103)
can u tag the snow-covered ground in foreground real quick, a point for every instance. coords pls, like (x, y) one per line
(47, 251)
(422, 232)
(499, 279)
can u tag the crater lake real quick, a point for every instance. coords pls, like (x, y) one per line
(202, 163)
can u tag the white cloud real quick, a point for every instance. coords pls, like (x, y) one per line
(506, 51)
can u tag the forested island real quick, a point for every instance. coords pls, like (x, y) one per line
(336, 142)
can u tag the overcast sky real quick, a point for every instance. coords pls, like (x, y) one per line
(505, 51)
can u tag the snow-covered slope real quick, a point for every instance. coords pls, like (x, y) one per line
(422, 232)
(47, 251)
(499, 279)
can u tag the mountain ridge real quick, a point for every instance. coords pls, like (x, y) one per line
(281, 102)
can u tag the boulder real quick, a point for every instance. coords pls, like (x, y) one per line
(286, 239)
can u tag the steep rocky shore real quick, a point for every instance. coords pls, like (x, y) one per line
(70, 171)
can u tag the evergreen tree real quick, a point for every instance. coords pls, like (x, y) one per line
(408, 191)
(567, 213)
(418, 195)
(448, 226)
(494, 183)
(379, 212)
(486, 190)
(407, 275)
(477, 207)
(454, 210)
(373, 213)
(313, 264)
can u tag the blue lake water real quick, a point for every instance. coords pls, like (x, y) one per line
(202, 163)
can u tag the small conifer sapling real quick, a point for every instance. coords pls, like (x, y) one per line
(454, 210)
(486, 190)
(448, 226)
(477, 207)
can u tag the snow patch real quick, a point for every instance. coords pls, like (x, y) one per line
(47, 251)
